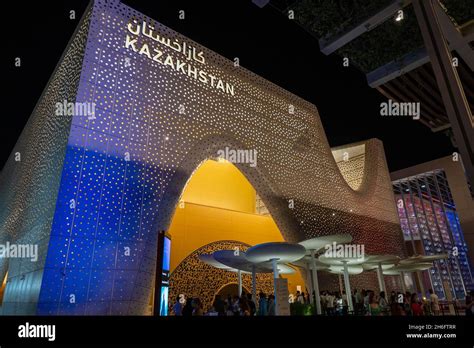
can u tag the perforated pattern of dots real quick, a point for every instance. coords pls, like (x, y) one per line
(122, 202)
(353, 170)
(194, 278)
(29, 187)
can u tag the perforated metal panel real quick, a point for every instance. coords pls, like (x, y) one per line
(29, 187)
(194, 278)
(124, 171)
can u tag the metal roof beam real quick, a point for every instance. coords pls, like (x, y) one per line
(394, 69)
(455, 38)
(410, 62)
(457, 41)
(331, 43)
(447, 78)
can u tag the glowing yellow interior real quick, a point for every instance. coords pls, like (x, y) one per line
(218, 203)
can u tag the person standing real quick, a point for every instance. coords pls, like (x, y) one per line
(244, 306)
(262, 304)
(330, 298)
(383, 302)
(236, 306)
(395, 307)
(324, 306)
(178, 306)
(300, 297)
(228, 307)
(373, 308)
(366, 300)
(198, 310)
(345, 306)
(219, 305)
(188, 308)
(338, 303)
(407, 303)
(271, 305)
(416, 307)
(357, 302)
(434, 302)
(252, 306)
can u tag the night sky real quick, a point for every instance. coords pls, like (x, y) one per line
(265, 41)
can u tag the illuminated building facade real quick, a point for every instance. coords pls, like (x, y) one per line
(431, 223)
(93, 189)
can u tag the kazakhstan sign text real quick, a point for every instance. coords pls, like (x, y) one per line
(179, 65)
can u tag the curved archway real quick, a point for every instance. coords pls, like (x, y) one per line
(257, 176)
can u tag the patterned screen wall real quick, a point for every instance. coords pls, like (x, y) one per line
(155, 120)
(350, 160)
(193, 278)
(428, 214)
(29, 186)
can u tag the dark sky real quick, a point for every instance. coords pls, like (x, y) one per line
(266, 43)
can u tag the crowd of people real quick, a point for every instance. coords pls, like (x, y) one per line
(365, 302)
(334, 303)
(230, 306)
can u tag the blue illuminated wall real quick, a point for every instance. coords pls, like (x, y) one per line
(96, 261)
(428, 215)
